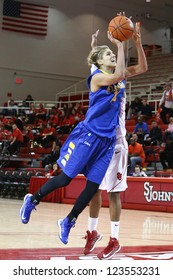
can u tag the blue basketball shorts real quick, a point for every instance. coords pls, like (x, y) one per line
(85, 153)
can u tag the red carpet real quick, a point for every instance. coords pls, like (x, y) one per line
(126, 253)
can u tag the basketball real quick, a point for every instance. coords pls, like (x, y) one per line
(121, 27)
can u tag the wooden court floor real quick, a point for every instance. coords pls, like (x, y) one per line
(137, 228)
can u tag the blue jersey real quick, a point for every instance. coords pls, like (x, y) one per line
(102, 117)
(90, 146)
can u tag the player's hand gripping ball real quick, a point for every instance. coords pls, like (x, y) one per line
(121, 27)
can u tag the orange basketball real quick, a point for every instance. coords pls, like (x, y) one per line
(121, 27)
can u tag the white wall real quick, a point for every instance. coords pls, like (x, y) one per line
(48, 65)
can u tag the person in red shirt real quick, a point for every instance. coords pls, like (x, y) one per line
(48, 136)
(27, 134)
(136, 154)
(16, 140)
(53, 119)
(41, 112)
(4, 133)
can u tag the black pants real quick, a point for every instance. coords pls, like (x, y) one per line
(166, 159)
(165, 114)
(14, 148)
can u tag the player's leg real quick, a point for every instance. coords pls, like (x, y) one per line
(30, 201)
(116, 183)
(115, 212)
(92, 235)
(82, 201)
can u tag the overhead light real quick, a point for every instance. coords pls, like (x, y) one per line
(148, 1)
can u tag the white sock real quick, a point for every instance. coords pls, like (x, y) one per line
(92, 224)
(115, 229)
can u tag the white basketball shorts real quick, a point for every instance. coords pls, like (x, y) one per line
(115, 179)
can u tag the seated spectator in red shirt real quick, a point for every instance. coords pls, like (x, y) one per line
(7, 121)
(3, 120)
(53, 119)
(65, 122)
(27, 134)
(5, 134)
(48, 136)
(16, 140)
(41, 112)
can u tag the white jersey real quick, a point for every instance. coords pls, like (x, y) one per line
(166, 99)
(115, 179)
(121, 130)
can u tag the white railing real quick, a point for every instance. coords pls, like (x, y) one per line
(145, 90)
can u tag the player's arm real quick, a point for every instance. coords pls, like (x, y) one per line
(119, 73)
(142, 65)
(94, 39)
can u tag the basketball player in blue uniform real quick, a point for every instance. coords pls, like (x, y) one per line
(115, 179)
(89, 148)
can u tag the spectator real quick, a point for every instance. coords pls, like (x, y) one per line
(22, 108)
(28, 100)
(5, 134)
(135, 136)
(169, 130)
(3, 120)
(52, 170)
(77, 107)
(166, 103)
(64, 122)
(141, 129)
(19, 121)
(134, 108)
(53, 119)
(41, 112)
(166, 155)
(136, 154)
(11, 109)
(146, 110)
(30, 113)
(50, 159)
(48, 136)
(27, 134)
(79, 116)
(155, 135)
(16, 140)
(139, 172)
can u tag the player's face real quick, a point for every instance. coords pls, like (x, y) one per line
(109, 58)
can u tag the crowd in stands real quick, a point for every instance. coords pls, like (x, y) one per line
(42, 127)
(31, 126)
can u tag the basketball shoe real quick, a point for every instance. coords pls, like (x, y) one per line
(91, 239)
(112, 248)
(64, 229)
(26, 209)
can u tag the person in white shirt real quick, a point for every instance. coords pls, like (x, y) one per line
(166, 104)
